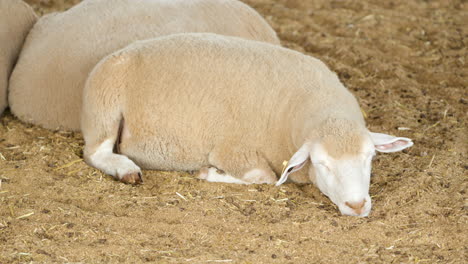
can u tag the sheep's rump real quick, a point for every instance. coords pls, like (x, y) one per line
(16, 19)
(62, 48)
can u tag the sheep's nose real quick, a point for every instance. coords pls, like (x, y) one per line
(357, 207)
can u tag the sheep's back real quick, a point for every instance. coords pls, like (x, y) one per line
(47, 83)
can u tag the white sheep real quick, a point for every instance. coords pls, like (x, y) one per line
(16, 19)
(62, 48)
(234, 109)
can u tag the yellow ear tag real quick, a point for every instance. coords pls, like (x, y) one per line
(364, 113)
(285, 165)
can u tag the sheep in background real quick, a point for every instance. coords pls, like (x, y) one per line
(16, 19)
(234, 109)
(62, 48)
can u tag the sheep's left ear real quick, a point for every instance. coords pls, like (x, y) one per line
(297, 161)
(386, 143)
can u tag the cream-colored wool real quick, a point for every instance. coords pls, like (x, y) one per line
(16, 19)
(193, 100)
(62, 48)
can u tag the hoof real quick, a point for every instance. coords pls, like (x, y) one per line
(202, 173)
(132, 178)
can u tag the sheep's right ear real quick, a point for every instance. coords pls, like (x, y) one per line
(297, 161)
(386, 143)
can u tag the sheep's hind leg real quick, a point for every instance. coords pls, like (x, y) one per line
(102, 120)
(117, 165)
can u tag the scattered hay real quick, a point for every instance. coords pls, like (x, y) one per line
(407, 72)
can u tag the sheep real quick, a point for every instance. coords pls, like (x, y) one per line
(16, 19)
(62, 48)
(234, 110)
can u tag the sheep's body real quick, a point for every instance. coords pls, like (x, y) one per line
(234, 109)
(62, 48)
(16, 19)
(194, 100)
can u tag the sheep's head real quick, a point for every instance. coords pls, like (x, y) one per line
(341, 165)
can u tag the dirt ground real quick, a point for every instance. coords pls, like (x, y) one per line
(406, 61)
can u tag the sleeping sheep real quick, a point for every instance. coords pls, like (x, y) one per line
(16, 19)
(62, 48)
(232, 109)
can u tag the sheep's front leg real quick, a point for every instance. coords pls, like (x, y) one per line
(213, 174)
(117, 165)
(237, 165)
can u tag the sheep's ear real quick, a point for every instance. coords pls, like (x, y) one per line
(386, 143)
(297, 161)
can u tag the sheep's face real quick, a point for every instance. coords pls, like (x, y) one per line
(341, 167)
(344, 179)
